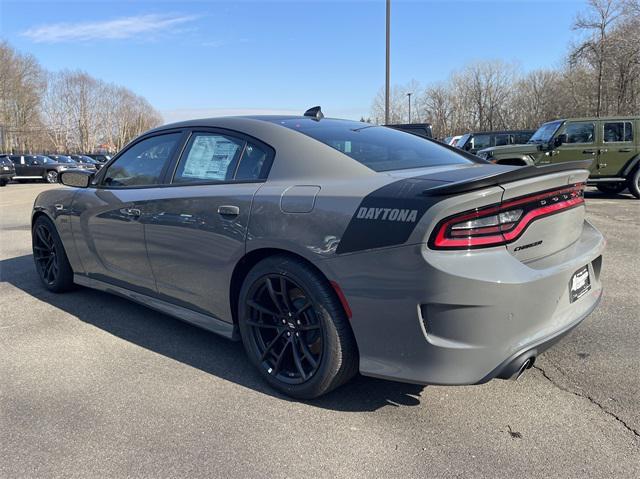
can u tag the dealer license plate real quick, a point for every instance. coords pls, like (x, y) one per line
(580, 284)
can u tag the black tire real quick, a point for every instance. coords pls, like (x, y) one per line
(306, 347)
(611, 188)
(3, 183)
(51, 176)
(633, 183)
(50, 257)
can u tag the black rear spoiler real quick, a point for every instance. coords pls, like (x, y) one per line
(500, 177)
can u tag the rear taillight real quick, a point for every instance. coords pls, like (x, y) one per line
(501, 224)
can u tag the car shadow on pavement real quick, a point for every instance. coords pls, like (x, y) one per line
(190, 345)
(596, 194)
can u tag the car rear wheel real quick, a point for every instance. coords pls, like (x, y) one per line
(611, 188)
(634, 183)
(51, 176)
(294, 328)
(50, 258)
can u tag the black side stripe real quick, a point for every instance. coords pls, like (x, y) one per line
(388, 215)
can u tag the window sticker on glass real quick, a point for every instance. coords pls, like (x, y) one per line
(209, 158)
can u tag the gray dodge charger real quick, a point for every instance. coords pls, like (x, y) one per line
(331, 247)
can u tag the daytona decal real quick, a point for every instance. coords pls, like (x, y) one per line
(388, 216)
(391, 214)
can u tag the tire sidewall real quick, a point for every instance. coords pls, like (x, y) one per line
(632, 183)
(330, 361)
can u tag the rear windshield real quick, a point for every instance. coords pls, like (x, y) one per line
(377, 147)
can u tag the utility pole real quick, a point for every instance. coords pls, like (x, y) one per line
(386, 88)
(409, 95)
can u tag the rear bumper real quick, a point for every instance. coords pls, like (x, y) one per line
(450, 317)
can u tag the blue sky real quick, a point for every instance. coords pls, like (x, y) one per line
(206, 58)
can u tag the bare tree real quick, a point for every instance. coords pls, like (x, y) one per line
(597, 23)
(21, 84)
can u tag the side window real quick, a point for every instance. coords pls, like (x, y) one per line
(620, 131)
(143, 163)
(15, 159)
(254, 164)
(502, 139)
(581, 132)
(209, 157)
(481, 141)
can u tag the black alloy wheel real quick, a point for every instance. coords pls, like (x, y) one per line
(49, 256)
(45, 255)
(295, 329)
(285, 328)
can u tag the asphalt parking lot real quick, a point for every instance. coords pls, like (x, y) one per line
(93, 385)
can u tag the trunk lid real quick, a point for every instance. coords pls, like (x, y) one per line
(539, 212)
(550, 232)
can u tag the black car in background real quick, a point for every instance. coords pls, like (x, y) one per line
(39, 167)
(476, 141)
(7, 170)
(99, 157)
(419, 129)
(86, 160)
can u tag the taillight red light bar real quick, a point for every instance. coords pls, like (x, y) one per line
(503, 223)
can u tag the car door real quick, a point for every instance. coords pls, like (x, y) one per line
(35, 167)
(581, 143)
(618, 137)
(22, 169)
(109, 229)
(196, 229)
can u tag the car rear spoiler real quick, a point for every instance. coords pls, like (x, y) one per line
(500, 177)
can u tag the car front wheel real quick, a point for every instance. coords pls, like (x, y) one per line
(51, 176)
(295, 329)
(50, 257)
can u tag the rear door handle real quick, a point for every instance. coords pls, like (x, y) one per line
(589, 152)
(133, 212)
(228, 210)
(625, 150)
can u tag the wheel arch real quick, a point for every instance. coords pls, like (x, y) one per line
(631, 166)
(251, 258)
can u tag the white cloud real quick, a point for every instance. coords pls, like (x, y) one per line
(119, 28)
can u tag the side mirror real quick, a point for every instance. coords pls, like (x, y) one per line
(559, 140)
(77, 179)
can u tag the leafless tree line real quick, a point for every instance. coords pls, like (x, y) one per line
(67, 111)
(600, 76)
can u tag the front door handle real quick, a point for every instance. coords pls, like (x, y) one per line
(228, 210)
(133, 212)
(589, 152)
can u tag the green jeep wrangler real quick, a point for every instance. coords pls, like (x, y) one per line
(612, 143)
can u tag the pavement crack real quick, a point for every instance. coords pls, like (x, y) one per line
(590, 399)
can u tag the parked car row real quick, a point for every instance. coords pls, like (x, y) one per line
(45, 167)
(612, 143)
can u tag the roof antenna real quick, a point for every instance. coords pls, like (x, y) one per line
(315, 113)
